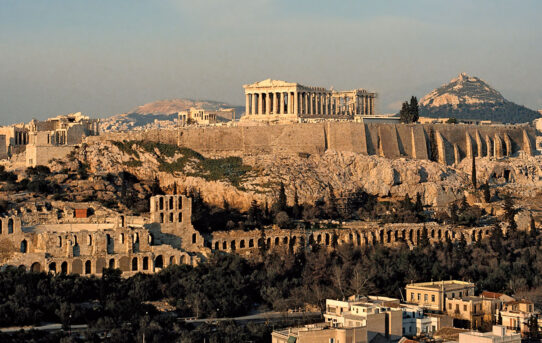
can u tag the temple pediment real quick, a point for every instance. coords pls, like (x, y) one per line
(271, 83)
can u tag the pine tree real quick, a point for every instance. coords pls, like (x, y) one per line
(404, 114)
(296, 210)
(281, 204)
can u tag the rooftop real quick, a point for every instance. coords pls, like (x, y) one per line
(448, 284)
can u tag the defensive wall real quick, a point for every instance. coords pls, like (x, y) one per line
(453, 142)
(363, 234)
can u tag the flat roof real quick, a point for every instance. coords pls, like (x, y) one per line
(441, 284)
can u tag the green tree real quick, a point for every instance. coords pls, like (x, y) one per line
(473, 172)
(409, 111)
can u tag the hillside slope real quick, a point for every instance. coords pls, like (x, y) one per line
(468, 97)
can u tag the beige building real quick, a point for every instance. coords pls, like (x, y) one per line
(281, 101)
(515, 315)
(200, 116)
(320, 333)
(86, 244)
(499, 334)
(434, 295)
(466, 308)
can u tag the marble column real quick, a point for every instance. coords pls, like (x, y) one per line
(281, 107)
(267, 103)
(296, 103)
(289, 102)
(260, 109)
(247, 104)
(253, 109)
(275, 103)
(310, 104)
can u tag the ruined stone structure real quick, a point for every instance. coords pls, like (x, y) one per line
(274, 100)
(132, 244)
(357, 234)
(200, 116)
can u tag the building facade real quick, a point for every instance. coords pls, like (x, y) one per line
(281, 101)
(433, 295)
(85, 246)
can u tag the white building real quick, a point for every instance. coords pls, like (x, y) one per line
(498, 335)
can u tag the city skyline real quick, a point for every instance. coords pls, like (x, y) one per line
(104, 58)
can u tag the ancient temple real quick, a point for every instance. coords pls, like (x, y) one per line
(275, 100)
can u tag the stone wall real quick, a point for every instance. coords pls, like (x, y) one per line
(42, 154)
(3, 147)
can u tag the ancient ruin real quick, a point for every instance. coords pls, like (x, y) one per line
(274, 100)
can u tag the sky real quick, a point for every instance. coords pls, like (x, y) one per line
(107, 57)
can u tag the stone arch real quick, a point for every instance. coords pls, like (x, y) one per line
(269, 242)
(285, 240)
(124, 263)
(277, 241)
(224, 245)
(432, 233)
(293, 240)
(170, 203)
(180, 217)
(217, 246)
(100, 265)
(161, 203)
(411, 235)
(121, 238)
(365, 240)
(479, 238)
(59, 239)
(381, 236)
(64, 267)
(251, 243)
(52, 267)
(260, 242)
(112, 263)
(145, 263)
(232, 245)
(171, 218)
(134, 264)
(171, 260)
(194, 238)
(446, 234)
(10, 225)
(122, 221)
(439, 234)
(453, 234)
(182, 259)
(241, 244)
(418, 236)
(77, 266)
(311, 239)
(35, 267)
(395, 235)
(88, 267)
(388, 236)
(89, 240)
(358, 238)
(473, 236)
(24, 246)
(403, 235)
(350, 238)
(486, 233)
(159, 262)
(161, 218)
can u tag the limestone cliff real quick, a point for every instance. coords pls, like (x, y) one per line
(258, 176)
(468, 97)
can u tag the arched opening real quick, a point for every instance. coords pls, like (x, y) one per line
(180, 203)
(35, 267)
(381, 236)
(268, 242)
(59, 241)
(194, 238)
(183, 259)
(172, 260)
(447, 235)
(277, 241)
(358, 238)
(293, 241)
(410, 235)
(365, 240)
(285, 240)
(319, 239)
(311, 239)
(145, 263)
(232, 245)
(180, 219)
(251, 243)
(473, 236)
(224, 245)
(151, 239)
(171, 217)
(388, 237)
(170, 203)
(0, 226)
(122, 223)
(112, 263)
(121, 238)
(134, 264)
(260, 242)
(161, 218)
(89, 240)
(10, 225)
(327, 238)
(88, 266)
(159, 262)
(433, 233)
(24, 246)
(216, 246)
(242, 244)
(350, 238)
(52, 267)
(479, 236)
(64, 268)
(161, 203)
(395, 235)
(439, 234)
(417, 236)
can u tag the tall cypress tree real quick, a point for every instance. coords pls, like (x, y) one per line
(473, 173)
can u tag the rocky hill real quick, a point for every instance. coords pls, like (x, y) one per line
(468, 97)
(159, 114)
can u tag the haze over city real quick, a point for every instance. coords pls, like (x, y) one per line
(104, 57)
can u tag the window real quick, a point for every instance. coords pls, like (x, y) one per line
(453, 295)
(425, 297)
(419, 296)
(412, 296)
(465, 308)
(433, 298)
(460, 294)
(449, 306)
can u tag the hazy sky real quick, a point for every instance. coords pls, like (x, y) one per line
(106, 57)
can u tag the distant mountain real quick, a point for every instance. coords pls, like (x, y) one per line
(468, 97)
(160, 114)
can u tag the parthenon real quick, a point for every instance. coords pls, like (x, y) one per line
(275, 100)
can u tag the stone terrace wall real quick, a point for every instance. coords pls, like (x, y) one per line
(454, 142)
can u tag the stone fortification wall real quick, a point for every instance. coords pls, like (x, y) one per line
(453, 142)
